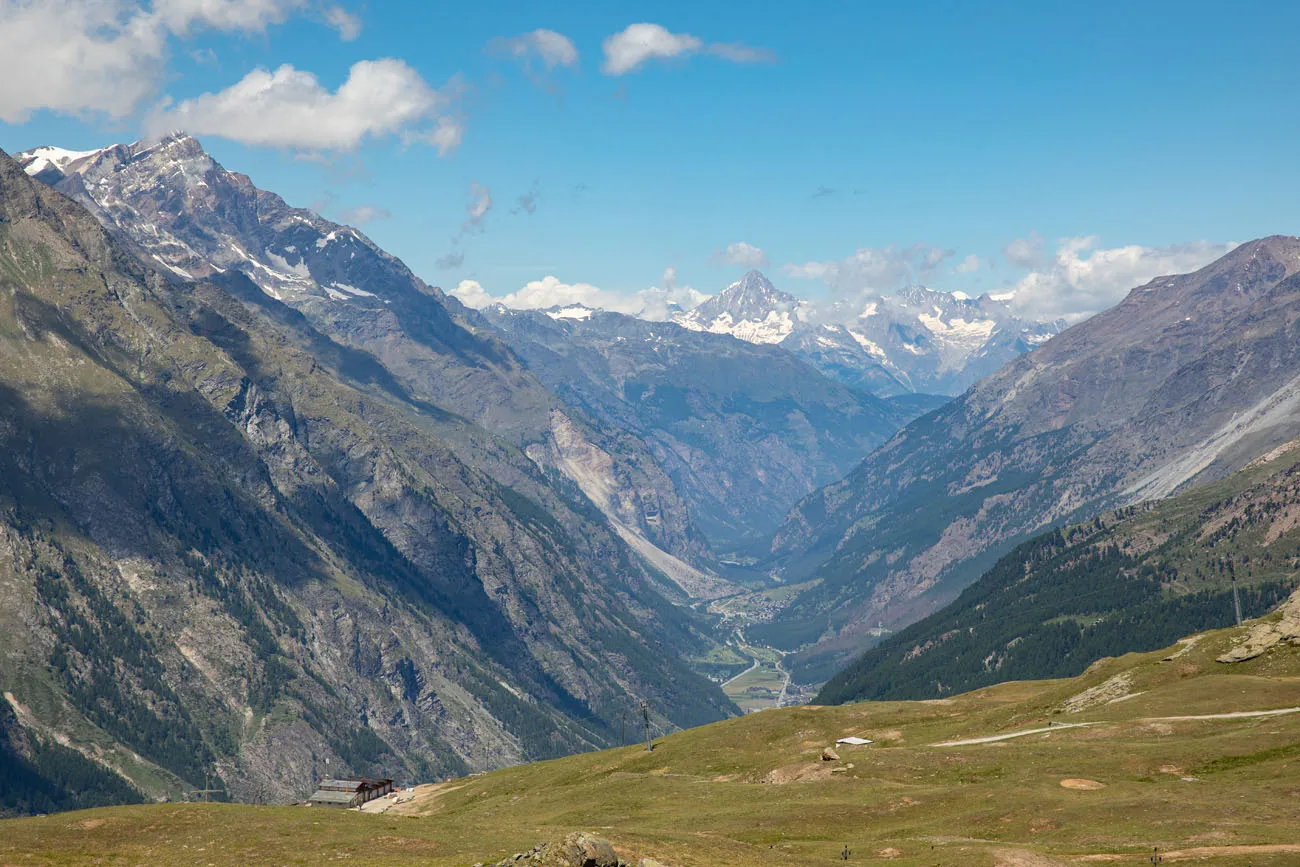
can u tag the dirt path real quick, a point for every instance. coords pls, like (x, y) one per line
(1008, 737)
(1240, 714)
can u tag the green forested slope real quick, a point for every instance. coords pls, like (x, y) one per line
(1130, 580)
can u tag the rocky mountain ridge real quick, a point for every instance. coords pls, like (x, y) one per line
(234, 546)
(1187, 379)
(182, 211)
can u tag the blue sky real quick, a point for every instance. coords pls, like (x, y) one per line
(856, 145)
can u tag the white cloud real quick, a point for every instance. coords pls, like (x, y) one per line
(1025, 252)
(290, 108)
(631, 48)
(77, 56)
(446, 135)
(878, 269)
(968, 265)
(549, 48)
(740, 253)
(250, 16)
(347, 24)
(655, 303)
(1082, 280)
(472, 294)
(108, 56)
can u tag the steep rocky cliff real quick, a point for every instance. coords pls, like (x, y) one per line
(234, 546)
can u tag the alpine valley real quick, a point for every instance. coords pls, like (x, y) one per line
(273, 508)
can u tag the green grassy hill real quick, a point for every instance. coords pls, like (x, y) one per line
(1133, 739)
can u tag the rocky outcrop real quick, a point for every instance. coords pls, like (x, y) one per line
(1284, 626)
(575, 850)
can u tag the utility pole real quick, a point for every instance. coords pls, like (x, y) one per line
(1236, 599)
(645, 713)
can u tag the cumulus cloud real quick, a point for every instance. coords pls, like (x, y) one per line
(290, 108)
(1024, 252)
(543, 46)
(108, 56)
(362, 214)
(968, 265)
(1082, 280)
(637, 44)
(740, 253)
(74, 56)
(655, 302)
(879, 269)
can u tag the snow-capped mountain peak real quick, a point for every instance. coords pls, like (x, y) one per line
(916, 339)
(751, 309)
(198, 220)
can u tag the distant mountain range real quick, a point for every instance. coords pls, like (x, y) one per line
(743, 429)
(1189, 378)
(916, 340)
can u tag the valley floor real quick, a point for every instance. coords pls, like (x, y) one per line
(1180, 752)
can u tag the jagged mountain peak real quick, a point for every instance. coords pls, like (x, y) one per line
(751, 309)
(752, 297)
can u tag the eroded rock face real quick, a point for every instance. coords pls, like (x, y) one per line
(1263, 636)
(251, 557)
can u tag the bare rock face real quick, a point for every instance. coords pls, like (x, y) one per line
(250, 556)
(1270, 633)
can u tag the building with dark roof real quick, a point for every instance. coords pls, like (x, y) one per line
(349, 793)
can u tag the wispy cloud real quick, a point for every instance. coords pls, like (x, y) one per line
(527, 203)
(877, 269)
(631, 48)
(544, 47)
(360, 215)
